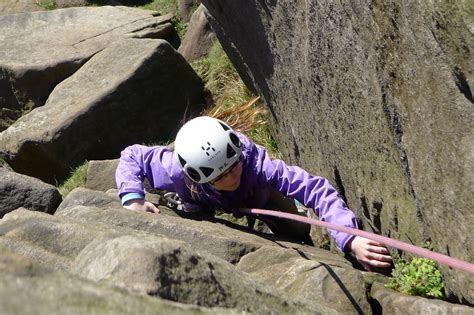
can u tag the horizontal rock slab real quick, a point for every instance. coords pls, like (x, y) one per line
(134, 91)
(8, 7)
(35, 252)
(175, 271)
(28, 290)
(86, 197)
(313, 277)
(65, 237)
(211, 237)
(41, 49)
(147, 263)
(392, 302)
(18, 190)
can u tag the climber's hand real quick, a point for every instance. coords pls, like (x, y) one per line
(370, 253)
(141, 205)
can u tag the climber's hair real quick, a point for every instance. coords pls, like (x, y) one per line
(242, 117)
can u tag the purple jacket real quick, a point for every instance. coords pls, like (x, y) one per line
(259, 173)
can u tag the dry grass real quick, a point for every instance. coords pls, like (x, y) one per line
(243, 117)
(232, 101)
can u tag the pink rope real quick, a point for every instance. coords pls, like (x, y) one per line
(440, 258)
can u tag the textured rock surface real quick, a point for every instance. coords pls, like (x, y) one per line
(398, 304)
(384, 90)
(97, 258)
(199, 37)
(101, 175)
(306, 276)
(8, 7)
(28, 289)
(185, 8)
(100, 109)
(145, 262)
(173, 271)
(18, 190)
(41, 49)
(87, 197)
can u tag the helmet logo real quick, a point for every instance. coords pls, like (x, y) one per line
(208, 148)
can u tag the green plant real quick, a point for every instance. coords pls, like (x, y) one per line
(162, 6)
(46, 4)
(180, 26)
(220, 77)
(420, 277)
(76, 179)
(4, 164)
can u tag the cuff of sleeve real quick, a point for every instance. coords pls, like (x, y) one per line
(343, 243)
(129, 196)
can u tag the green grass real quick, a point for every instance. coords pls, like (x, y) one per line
(162, 6)
(46, 4)
(168, 7)
(76, 179)
(180, 26)
(4, 164)
(228, 91)
(220, 77)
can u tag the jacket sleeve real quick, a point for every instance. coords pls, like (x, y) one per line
(138, 162)
(156, 164)
(313, 191)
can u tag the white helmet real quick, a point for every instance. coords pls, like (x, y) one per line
(206, 147)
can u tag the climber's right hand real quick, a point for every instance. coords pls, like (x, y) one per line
(141, 205)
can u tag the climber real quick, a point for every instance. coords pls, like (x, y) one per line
(213, 165)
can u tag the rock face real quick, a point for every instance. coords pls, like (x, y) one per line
(41, 49)
(94, 257)
(199, 37)
(185, 8)
(39, 291)
(18, 190)
(385, 91)
(133, 91)
(398, 304)
(8, 7)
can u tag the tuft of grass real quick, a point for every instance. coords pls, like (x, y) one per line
(168, 7)
(46, 4)
(232, 101)
(220, 77)
(4, 164)
(76, 179)
(162, 6)
(180, 26)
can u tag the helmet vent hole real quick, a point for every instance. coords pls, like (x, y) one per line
(181, 161)
(207, 171)
(225, 127)
(235, 140)
(193, 174)
(230, 151)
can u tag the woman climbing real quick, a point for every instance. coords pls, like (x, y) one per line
(213, 165)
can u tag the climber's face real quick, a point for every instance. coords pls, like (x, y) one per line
(229, 180)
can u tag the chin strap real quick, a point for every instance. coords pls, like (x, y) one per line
(440, 258)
